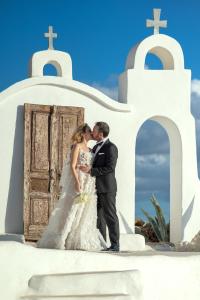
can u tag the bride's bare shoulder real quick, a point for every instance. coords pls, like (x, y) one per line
(75, 146)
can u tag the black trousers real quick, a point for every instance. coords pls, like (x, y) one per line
(106, 215)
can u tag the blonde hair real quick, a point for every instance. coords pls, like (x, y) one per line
(77, 136)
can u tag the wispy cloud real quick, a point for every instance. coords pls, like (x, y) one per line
(195, 98)
(195, 87)
(153, 135)
(111, 92)
(109, 86)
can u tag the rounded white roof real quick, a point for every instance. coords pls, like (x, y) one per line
(167, 49)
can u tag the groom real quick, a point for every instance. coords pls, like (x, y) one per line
(103, 168)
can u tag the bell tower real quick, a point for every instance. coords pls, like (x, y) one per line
(164, 96)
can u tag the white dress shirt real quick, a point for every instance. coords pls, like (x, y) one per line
(99, 147)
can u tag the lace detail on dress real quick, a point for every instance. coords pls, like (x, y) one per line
(73, 225)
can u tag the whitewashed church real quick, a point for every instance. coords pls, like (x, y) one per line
(37, 118)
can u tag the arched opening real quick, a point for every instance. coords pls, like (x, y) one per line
(152, 170)
(159, 58)
(52, 69)
(158, 171)
(152, 62)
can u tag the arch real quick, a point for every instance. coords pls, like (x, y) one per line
(175, 143)
(152, 168)
(60, 60)
(153, 62)
(164, 47)
(53, 67)
(165, 57)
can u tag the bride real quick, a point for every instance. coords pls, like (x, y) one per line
(72, 224)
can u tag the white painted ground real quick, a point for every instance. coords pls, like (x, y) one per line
(164, 275)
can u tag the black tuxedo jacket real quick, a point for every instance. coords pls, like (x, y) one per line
(103, 167)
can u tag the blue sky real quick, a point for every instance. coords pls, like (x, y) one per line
(98, 35)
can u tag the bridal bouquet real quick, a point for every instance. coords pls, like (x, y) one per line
(82, 198)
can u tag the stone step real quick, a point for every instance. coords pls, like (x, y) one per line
(79, 297)
(12, 237)
(91, 283)
(132, 242)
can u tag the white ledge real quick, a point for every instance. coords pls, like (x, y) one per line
(76, 86)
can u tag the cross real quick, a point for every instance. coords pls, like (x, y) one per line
(50, 35)
(156, 23)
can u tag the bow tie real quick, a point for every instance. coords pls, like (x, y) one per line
(99, 144)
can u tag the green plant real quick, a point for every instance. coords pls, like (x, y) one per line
(158, 222)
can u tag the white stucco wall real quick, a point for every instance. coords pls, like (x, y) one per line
(54, 91)
(160, 95)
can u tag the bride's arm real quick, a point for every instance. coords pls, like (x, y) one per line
(74, 159)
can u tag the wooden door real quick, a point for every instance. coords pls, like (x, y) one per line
(48, 130)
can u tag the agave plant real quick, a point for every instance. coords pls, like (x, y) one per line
(158, 222)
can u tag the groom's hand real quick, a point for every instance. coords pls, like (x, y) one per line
(85, 169)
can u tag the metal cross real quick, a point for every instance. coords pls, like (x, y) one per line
(156, 23)
(50, 35)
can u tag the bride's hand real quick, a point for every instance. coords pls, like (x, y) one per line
(85, 168)
(82, 167)
(77, 187)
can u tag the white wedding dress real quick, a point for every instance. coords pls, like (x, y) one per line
(73, 225)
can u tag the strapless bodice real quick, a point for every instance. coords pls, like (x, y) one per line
(85, 158)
